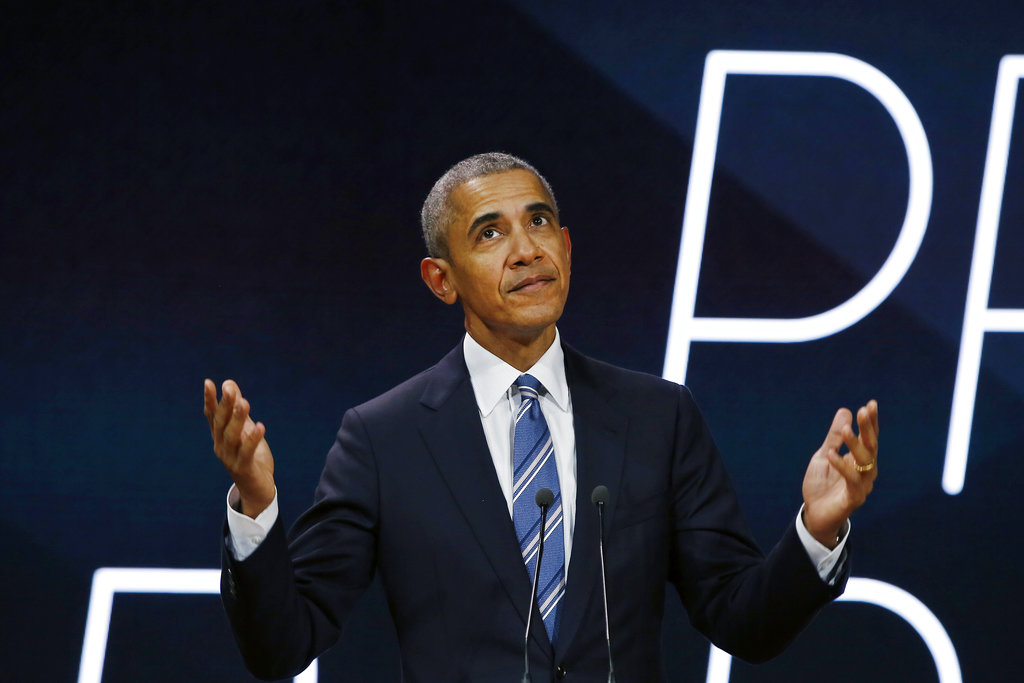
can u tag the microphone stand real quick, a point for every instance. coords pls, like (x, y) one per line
(544, 499)
(599, 497)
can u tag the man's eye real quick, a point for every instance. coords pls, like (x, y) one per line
(539, 220)
(488, 233)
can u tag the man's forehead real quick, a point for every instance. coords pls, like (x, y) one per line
(485, 194)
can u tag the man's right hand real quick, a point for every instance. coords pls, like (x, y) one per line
(240, 446)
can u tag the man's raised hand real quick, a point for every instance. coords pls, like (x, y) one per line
(240, 446)
(835, 485)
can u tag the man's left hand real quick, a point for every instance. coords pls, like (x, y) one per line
(835, 485)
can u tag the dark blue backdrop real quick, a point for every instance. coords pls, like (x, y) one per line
(232, 190)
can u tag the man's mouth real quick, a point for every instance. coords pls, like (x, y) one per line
(532, 283)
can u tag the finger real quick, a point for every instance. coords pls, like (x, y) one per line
(841, 464)
(229, 394)
(873, 409)
(251, 438)
(209, 401)
(834, 438)
(848, 470)
(857, 447)
(234, 427)
(867, 431)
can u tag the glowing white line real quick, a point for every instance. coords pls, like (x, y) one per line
(897, 601)
(916, 614)
(106, 581)
(684, 327)
(978, 317)
(719, 666)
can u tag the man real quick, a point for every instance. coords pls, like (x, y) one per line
(431, 484)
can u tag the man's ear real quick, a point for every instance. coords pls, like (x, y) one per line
(568, 243)
(434, 272)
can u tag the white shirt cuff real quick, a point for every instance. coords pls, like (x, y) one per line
(823, 558)
(247, 533)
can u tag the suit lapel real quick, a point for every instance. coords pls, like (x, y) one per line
(451, 428)
(600, 455)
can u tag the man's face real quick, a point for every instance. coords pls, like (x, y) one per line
(508, 257)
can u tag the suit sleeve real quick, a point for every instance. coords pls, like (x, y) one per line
(287, 602)
(747, 604)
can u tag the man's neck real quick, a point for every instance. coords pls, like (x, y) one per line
(520, 351)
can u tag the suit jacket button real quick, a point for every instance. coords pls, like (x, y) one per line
(560, 672)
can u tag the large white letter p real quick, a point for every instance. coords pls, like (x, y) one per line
(684, 327)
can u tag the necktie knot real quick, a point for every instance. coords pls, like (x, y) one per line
(529, 386)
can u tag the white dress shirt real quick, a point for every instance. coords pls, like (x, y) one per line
(497, 402)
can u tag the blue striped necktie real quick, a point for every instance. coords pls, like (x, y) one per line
(533, 468)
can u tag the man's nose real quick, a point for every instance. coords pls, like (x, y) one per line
(524, 246)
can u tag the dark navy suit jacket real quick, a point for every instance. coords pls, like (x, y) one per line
(409, 490)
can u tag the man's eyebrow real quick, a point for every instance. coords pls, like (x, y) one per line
(484, 218)
(540, 206)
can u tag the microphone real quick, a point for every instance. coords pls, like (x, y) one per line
(599, 497)
(544, 499)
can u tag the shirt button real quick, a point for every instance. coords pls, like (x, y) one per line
(257, 540)
(560, 672)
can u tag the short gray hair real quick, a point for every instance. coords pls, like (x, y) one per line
(436, 214)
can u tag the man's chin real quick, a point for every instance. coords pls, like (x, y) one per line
(540, 323)
(528, 327)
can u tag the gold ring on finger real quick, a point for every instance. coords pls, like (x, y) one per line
(865, 468)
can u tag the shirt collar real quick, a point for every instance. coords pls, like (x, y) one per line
(491, 376)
